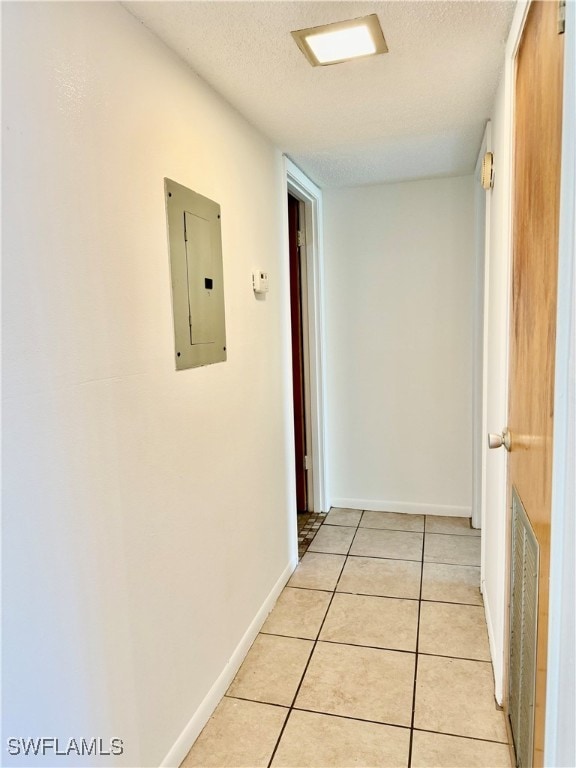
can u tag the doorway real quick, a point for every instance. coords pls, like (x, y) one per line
(305, 281)
(300, 357)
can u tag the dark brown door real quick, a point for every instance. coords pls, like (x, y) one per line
(538, 123)
(297, 353)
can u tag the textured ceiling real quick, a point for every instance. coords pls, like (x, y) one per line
(418, 111)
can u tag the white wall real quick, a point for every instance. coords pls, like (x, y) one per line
(399, 264)
(138, 548)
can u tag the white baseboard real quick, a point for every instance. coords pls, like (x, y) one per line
(497, 662)
(407, 507)
(184, 742)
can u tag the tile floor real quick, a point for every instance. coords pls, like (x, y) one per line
(308, 524)
(376, 654)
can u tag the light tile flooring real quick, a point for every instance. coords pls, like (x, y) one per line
(375, 655)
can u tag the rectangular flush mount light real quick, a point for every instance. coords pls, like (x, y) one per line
(341, 41)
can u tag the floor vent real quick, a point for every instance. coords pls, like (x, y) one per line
(523, 627)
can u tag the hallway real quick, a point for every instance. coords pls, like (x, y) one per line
(376, 654)
(148, 510)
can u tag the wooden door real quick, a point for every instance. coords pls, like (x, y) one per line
(536, 206)
(297, 353)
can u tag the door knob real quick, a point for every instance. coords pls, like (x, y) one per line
(497, 441)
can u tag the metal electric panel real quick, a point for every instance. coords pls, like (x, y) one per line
(195, 244)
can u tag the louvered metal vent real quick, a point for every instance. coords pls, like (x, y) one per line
(523, 626)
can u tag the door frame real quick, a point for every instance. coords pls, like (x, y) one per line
(305, 318)
(300, 186)
(482, 199)
(559, 748)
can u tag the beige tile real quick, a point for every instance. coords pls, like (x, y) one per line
(459, 550)
(434, 750)
(298, 613)
(456, 696)
(374, 576)
(367, 683)
(339, 516)
(311, 740)
(317, 571)
(393, 520)
(448, 629)
(240, 734)
(382, 622)
(451, 583)
(335, 539)
(460, 526)
(272, 669)
(401, 545)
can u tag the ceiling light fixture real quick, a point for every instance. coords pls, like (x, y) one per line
(341, 41)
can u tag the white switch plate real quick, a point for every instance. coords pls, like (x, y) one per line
(260, 281)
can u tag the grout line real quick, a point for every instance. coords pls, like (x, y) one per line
(292, 637)
(416, 656)
(383, 597)
(333, 714)
(454, 565)
(460, 736)
(373, 594)
(333, 525)
(455, 658)
(337, 525)
(315, 643)
(356, 719)
(390, 528)
(398, 559)
(457, 565)
(365, 720)
(451, 602)
(447, 533)
(380, 597)
(388, 597)
(374, 557)
(349, 548)
(320, 552)
(257, 701)
(371, 647)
